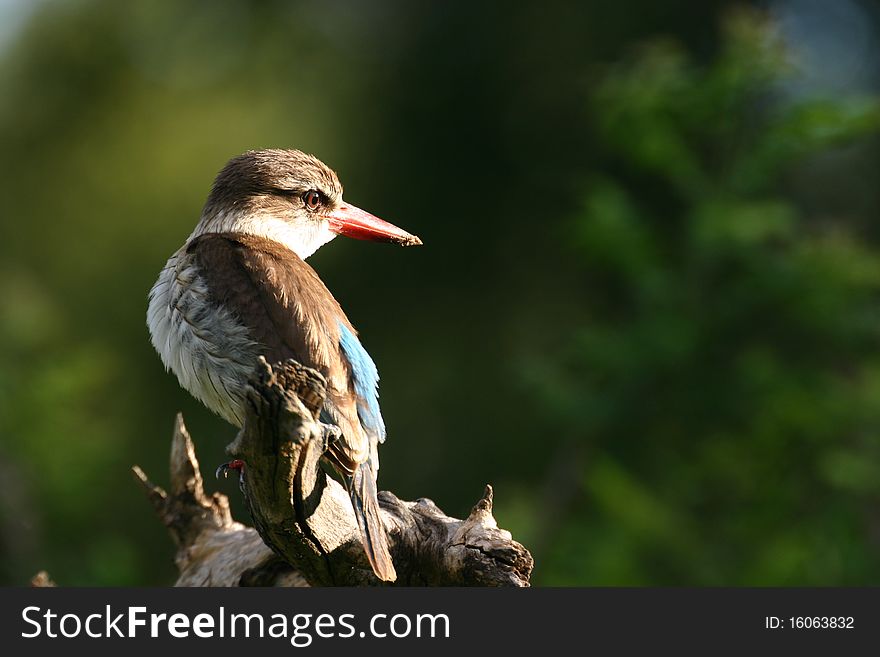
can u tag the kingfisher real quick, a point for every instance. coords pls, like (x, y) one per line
(240, 288)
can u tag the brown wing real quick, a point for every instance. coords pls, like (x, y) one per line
(274, 293)
(289, 312)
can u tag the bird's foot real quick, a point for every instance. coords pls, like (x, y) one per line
(330, 434)
(234, 464)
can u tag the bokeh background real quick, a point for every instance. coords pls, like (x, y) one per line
(647, 309)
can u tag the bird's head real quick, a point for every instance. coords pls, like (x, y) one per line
(290, 197)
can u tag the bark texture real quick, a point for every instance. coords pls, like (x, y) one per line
(305, 532)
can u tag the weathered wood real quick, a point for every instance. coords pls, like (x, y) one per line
(42, 580)
(212, 549)
(305, 517)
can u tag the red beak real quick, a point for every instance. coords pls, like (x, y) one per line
(353, 222)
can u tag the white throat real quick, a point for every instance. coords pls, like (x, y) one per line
(302, 239)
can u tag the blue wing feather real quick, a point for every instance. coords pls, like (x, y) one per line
(366, 382)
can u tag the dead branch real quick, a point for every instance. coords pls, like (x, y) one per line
(305, 517)
(42, 580)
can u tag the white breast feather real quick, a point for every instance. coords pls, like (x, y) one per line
(209, 351)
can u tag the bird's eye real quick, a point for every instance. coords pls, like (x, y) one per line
(312, 200)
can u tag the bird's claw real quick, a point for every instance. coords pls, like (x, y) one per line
(331, 433)
(224, 468)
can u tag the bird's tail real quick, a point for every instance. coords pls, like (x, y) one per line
(362, 488)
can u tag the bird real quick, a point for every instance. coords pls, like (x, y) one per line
(240, 288)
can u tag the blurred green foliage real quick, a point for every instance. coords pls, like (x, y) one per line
(647, 306)
(726, 377)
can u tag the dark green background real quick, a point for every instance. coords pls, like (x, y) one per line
(646, 310)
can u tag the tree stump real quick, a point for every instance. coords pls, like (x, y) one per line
(305, 532)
